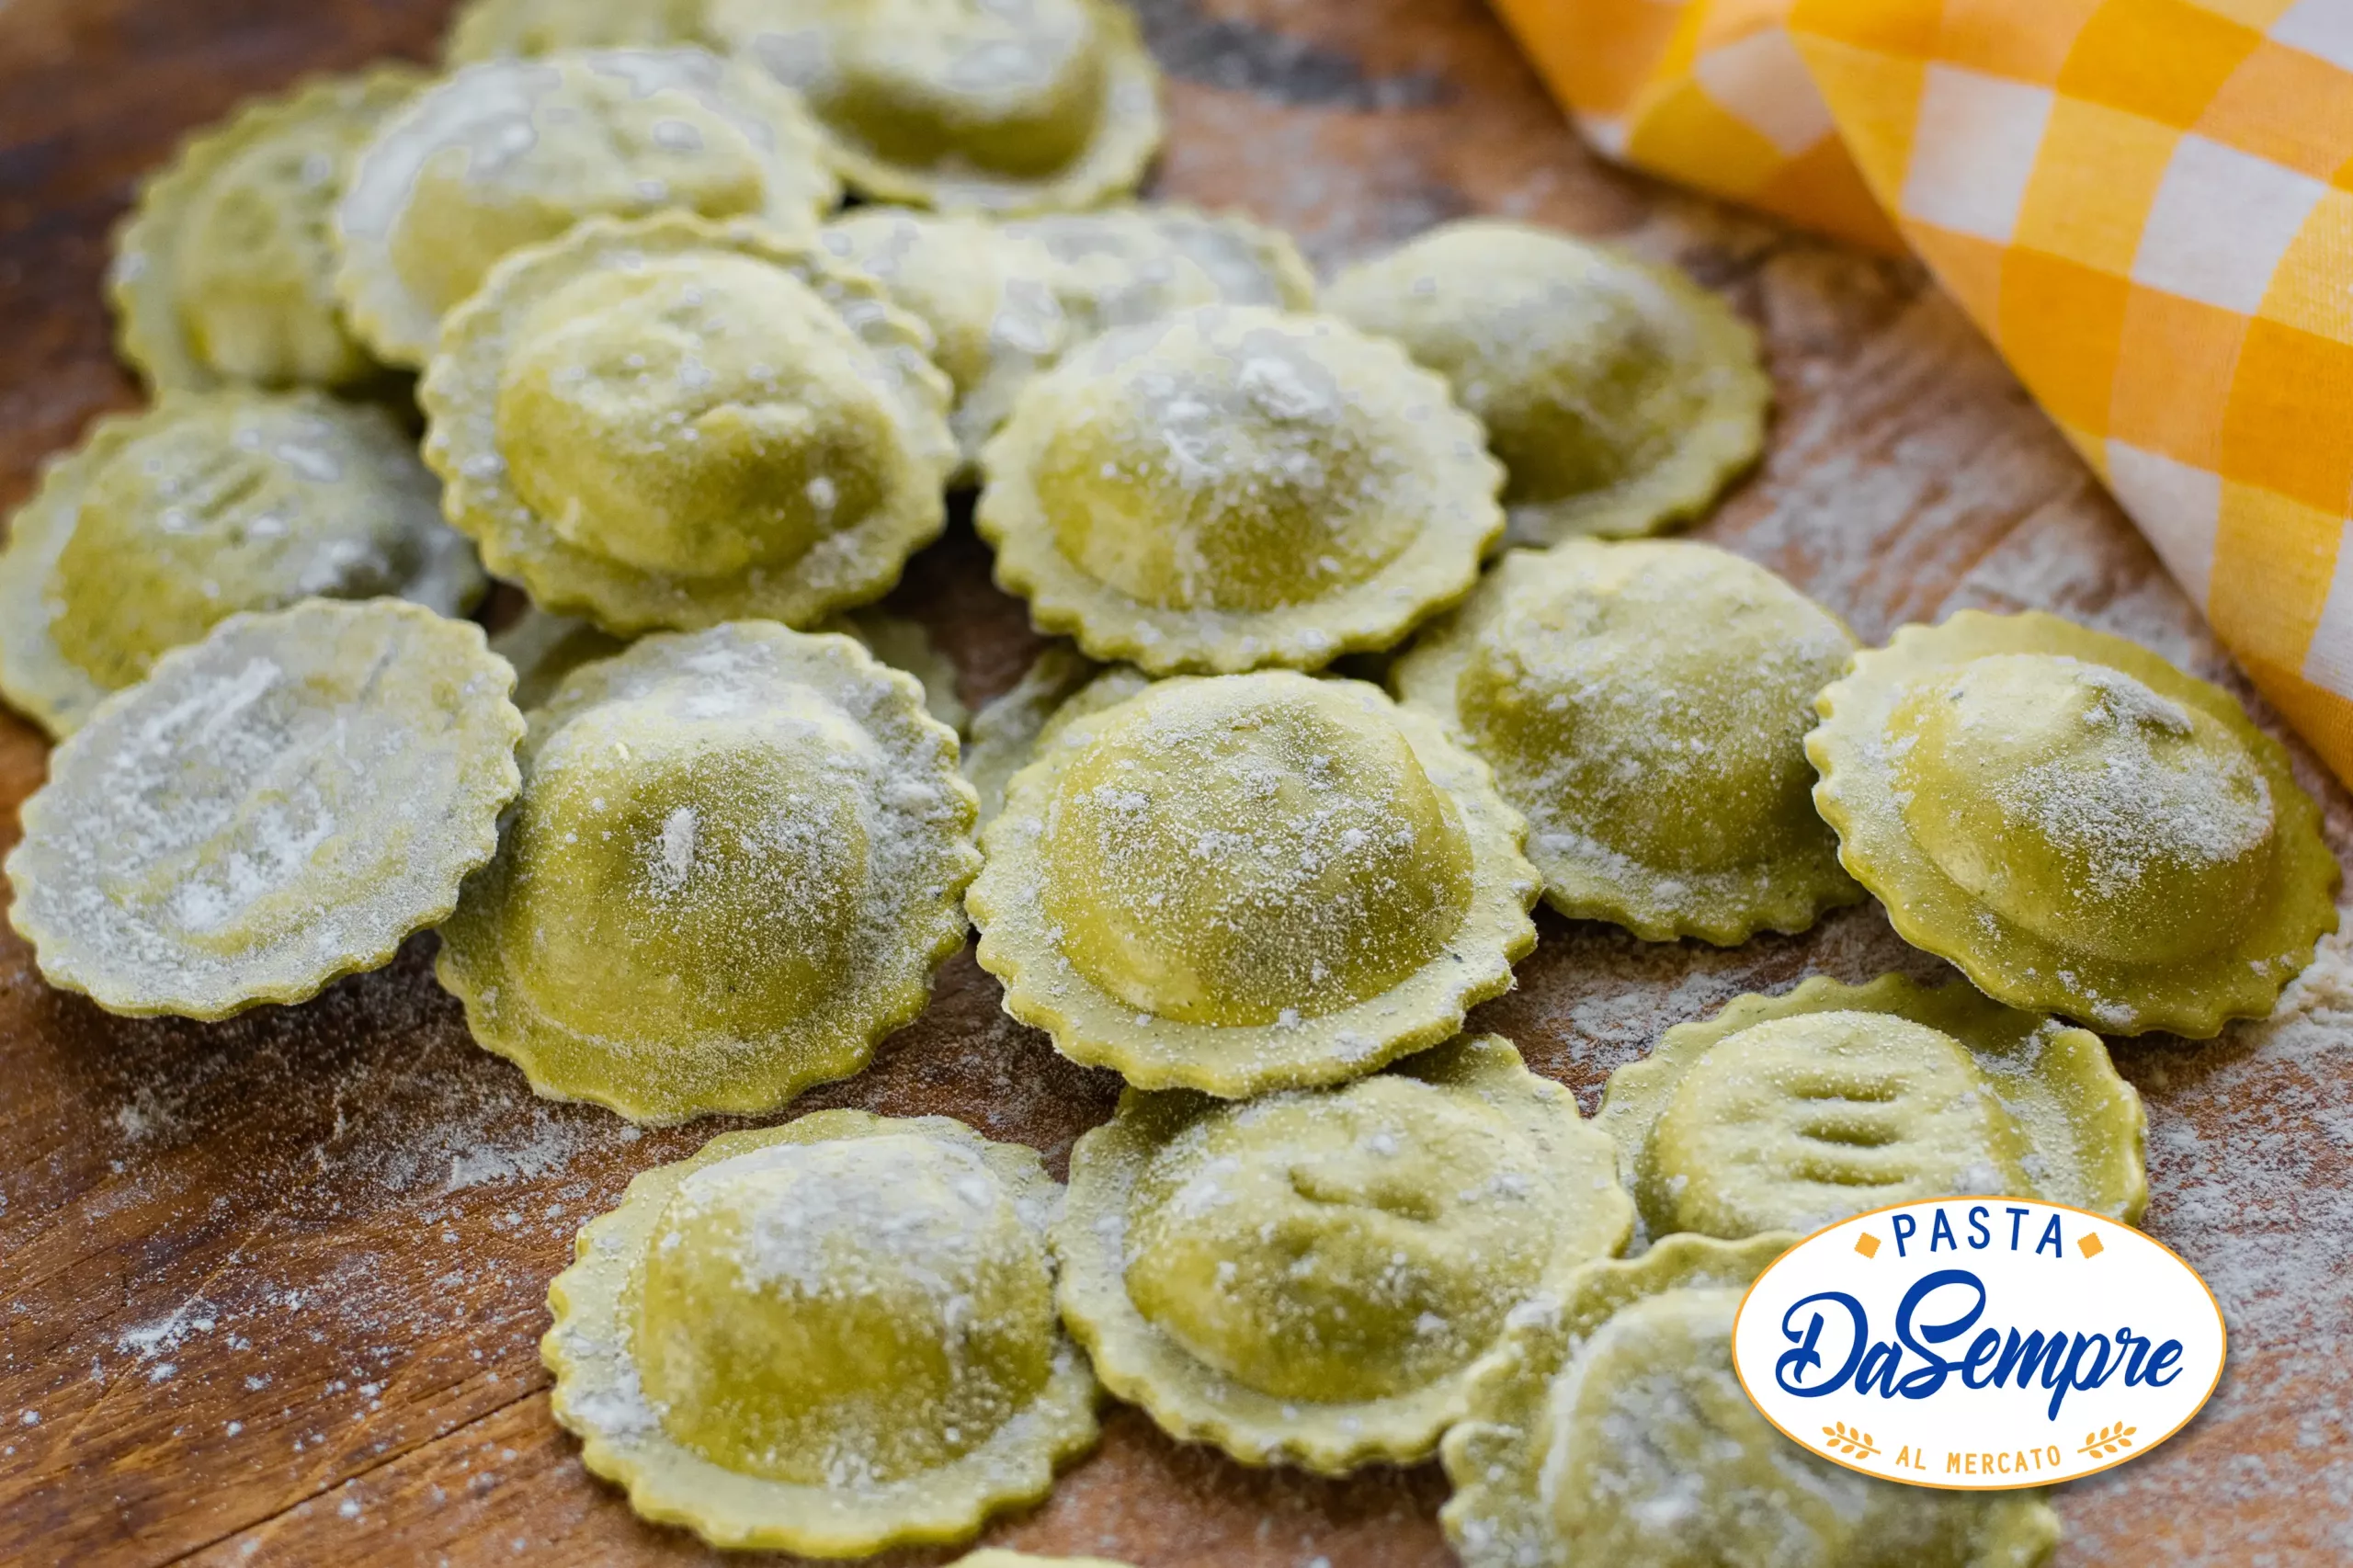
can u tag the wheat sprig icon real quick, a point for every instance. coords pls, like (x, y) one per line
(1854, 1442)
(2109, 1441)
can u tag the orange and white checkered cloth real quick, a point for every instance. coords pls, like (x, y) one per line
(2146, 204)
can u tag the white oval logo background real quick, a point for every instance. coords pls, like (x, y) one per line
(1896, 1343)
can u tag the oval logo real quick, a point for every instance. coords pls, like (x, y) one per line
(1979, 1343)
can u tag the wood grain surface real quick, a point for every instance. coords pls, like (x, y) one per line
(270, 1291)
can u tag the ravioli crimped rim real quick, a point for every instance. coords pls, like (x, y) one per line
(141, 282)
(473, 964)
(1193, 1403)
(36, 677)
(1127, 137)
(585, 1349)
(459, 393)
(1431, 573)
(1044, 989)
(2055, 1080)
(383, 312)
(1495, 1517)
(1785, 893)
(2192, 998)
(464, 829)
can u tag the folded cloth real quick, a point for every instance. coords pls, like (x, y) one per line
(2146, 204)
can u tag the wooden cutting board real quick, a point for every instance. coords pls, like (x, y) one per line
(270, 1291)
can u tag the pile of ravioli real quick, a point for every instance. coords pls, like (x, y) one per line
(1363, 650)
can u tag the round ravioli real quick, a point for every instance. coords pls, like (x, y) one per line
(1793, 1112)
(501, 29)
(1232, 487)
(674, 423)
(224, 271)
(1313, 1278)
(2080, 826)
(513, 153)
(828, 1337)
(1645, 706)
(988, 298)
(734, 864)
(1622, 397)
(999, 106)
(1246, 882)
(1614, 1429)
(163, 523)
(281, 805)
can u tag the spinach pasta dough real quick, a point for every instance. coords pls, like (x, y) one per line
(1792, 1112)
(166, 522)
(735, 862)
(1248, 883)
(1232, 487)
(512, 153)
(828, 1337)
(275, 807)
(2079, 826)
(1312, 1277)
(1645, 705)
(1622, 397)
(1612, 1429)
(224, 272)
(674, 423)
(1003, 106)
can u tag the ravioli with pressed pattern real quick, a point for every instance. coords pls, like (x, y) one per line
(2079, 826)
(1793, 1112)
(1645, 706)
(1232, 487)
(1612, 1429)
(224, 271)
(512, 153)
(273, 808)
(734, 864)
(1622, 397)
(1313, 1277)
(674, 423)
(1248, 883)
(828, 1337)
(999, 106)
(162, 523)
(496, 30)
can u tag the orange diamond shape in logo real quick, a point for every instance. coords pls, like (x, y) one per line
(1867, 1245)
(2089, 1246)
